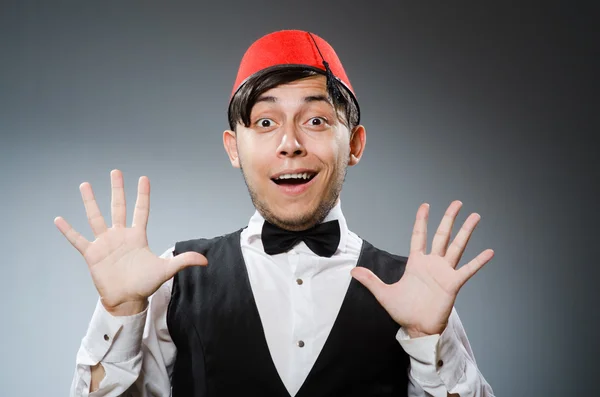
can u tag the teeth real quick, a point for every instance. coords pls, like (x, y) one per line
(304, 175)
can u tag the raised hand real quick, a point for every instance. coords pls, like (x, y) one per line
(422, 300)
(124, 270)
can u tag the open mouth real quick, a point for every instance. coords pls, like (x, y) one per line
(294, 179)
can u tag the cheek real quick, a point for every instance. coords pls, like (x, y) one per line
(254, 163)
(334, 154)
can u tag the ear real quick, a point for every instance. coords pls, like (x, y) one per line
(358, 140)
(230, 144)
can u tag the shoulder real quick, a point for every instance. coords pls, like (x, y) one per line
(387, 266)
(369, 249)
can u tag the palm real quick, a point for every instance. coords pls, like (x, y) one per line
(422, 300)
(427, 286)
(122, 266)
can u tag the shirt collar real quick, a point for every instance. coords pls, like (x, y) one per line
(254, 229)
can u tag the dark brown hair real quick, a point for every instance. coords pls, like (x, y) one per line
(244, 99)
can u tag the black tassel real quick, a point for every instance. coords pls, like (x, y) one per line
(332, 87)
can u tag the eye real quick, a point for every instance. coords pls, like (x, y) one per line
(317, 121)
(265, 123)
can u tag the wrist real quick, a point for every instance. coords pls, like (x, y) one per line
(413, 333)
(129, 308)
(420, 333)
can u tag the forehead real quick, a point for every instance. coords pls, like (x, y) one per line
(296, 91)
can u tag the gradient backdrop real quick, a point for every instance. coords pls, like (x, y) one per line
(492, 105)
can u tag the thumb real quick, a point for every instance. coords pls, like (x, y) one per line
(369, 280)
(184, 260)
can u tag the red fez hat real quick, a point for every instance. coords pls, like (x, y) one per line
(294, 48)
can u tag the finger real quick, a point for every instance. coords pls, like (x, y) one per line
(467, 271)
(457, 248)
(371, 281)
(142, 204)
(418, 242)
(442, 235)
(76, 239)
(182, 261)
(118, 210)
(94, 215)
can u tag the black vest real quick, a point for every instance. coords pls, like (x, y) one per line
(221, 347)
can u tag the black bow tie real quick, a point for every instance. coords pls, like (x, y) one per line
(323, 239)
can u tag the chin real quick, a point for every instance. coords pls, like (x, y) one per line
(296, 217)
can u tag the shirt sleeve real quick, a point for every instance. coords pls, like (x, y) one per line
(443, 364)
(136, 351)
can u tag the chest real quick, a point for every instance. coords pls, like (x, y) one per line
(298, 297)
(226, 345)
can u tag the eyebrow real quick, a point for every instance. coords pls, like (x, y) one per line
(317, 98)
(310, 98)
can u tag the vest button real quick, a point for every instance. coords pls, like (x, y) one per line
(300, 343)
(440, 363)
(299, 281)
(106, 337)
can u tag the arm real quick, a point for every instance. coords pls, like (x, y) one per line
(158, 349)
(115, 362)
(457, 375)
(137, 344)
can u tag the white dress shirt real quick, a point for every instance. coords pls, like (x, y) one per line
(298, 295)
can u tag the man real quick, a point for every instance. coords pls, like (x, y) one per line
(294, 304)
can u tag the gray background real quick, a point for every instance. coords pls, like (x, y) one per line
(492, 105)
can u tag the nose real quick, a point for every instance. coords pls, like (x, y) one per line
(291, 142)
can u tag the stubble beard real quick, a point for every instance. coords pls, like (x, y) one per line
(304, 221)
